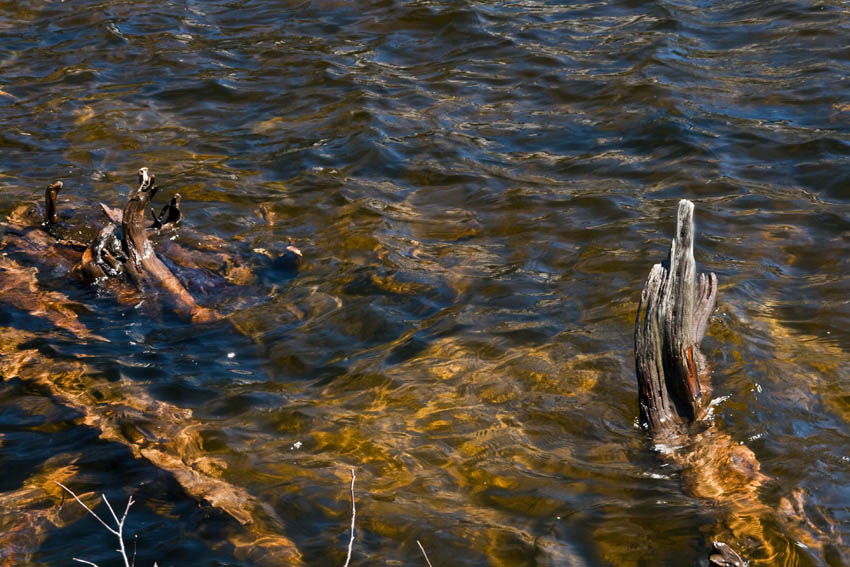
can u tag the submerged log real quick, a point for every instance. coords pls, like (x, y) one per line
(672, 373)
(143, 266)
(167, 436)
(30, 513)
(28, 252)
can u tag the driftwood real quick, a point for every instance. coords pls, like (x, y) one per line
(672, 373)
(143, 266)
(673, 380)
(169, 214)
(674, 391)
(50, 194)
(127, 254)
(35, 241)
(290, 260)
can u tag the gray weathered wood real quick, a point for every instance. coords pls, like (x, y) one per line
(672, 318)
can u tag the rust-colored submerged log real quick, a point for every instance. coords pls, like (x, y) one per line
(27, 251)
(167, 436)
(30, 513)
(672, 373)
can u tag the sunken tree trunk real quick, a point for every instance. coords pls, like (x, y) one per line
(672, 317)
(143, 266)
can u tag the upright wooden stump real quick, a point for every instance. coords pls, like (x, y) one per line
(673, 379)
(672, 318)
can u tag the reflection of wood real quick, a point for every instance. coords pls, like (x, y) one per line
(166, 435)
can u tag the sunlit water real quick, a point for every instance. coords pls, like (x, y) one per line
(479, 190)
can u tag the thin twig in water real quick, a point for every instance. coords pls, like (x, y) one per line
(353, 514)
(119, 533)
(423, 553)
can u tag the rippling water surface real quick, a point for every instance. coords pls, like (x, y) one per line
(479, 190)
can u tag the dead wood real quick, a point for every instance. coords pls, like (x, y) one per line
(291, 258)
(169, 214)
(143, 266)
(50, 194)
(674, 391)
(195, 253)
(167, 436)
(673, 380)
(26, 241)
(672, 373)
(103, 258)
(353, 516)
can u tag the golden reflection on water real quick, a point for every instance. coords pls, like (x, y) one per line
(458, 432)
(28, 514)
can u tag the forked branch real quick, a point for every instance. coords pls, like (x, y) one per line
(117, 531)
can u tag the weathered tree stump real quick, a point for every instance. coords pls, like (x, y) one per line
(672, 373)
(169, 214)
(673, 379)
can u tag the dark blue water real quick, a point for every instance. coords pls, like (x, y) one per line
(479, 190)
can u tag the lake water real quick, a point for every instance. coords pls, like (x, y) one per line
(479, 190)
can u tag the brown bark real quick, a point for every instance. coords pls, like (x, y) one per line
(50, 194)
